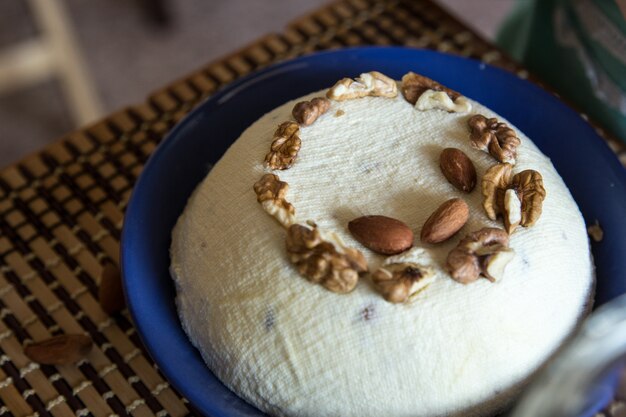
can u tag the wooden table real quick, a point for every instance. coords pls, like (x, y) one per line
(62, 211)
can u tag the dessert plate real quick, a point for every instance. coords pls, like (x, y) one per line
(589, 168)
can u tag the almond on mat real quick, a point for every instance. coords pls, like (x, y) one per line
(110, 291)
(64, 349)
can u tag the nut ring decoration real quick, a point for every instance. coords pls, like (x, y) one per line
(322, 258)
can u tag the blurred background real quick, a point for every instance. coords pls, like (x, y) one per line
(64, 63)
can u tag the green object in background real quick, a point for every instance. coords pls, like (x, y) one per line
(579, 48)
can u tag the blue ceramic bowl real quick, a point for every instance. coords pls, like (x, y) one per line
(592, 172)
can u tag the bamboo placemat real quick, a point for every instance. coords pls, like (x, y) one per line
(62, 211)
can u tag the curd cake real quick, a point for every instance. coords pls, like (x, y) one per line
(382, 248)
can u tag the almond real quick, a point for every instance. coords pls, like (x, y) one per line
(110, 292)
(382, 234)
(448, 219)
(64, 349)
(458, 169)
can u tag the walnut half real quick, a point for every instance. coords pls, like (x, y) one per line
(306, 112)
(270, 192)
(485, 252)
(494, 137)
(285, 146)
(517, 198)
(371, 83)
(426, 94)
(399, 282)
(332, 265)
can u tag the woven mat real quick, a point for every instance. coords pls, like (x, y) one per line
(62, 212)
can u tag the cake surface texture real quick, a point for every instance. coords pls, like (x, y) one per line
(293, 348)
